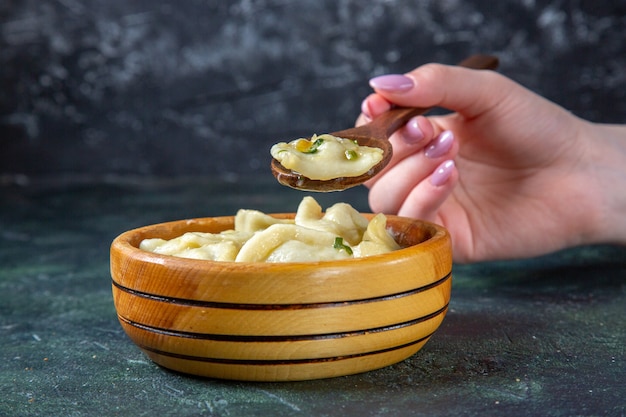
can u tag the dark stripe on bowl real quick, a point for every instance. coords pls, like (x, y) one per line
(249, 306)
(282, 338)
(257, 362)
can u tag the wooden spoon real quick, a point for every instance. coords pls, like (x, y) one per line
(374, 134)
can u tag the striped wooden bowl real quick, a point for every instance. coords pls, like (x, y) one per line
(279, 322)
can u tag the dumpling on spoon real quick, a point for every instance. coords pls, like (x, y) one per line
(326, 157)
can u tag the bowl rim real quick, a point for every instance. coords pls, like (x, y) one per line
(128, 242)
(159, 275)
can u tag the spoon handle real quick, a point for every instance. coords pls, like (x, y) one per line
(479, 61)
(387, 123)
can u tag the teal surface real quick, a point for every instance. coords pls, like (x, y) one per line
(542, 337)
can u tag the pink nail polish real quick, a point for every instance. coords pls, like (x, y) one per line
(441, 145)
(392, 83)
(412, 133)
(442, 173)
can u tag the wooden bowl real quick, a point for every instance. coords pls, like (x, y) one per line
(281, 321)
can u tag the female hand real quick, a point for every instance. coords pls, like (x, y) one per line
(509, 173)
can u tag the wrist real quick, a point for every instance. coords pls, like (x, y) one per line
(607, 171)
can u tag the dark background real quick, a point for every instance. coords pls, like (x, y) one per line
(143, 87)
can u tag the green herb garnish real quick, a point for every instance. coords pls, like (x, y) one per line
(314, 146)
(351, 154)
(339, 245)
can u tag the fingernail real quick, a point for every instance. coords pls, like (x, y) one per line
(440, 146)
(442, 173)
(412, 133)
(392, 83)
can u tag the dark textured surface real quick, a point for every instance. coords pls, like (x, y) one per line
(205, 87)
(102, 89)
(541, 337)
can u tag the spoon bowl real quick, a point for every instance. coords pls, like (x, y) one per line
(374, 134)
